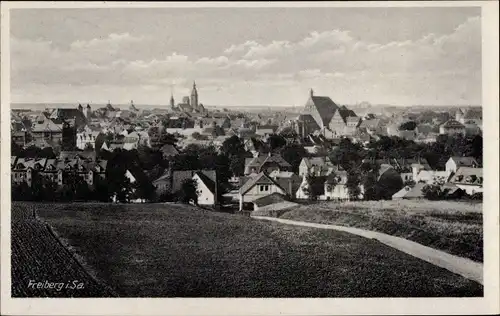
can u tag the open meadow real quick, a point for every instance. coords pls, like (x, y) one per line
(172, 250)
(454, 227)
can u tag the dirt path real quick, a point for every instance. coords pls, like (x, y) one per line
(465, 267)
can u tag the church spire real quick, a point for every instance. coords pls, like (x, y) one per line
(194, 96)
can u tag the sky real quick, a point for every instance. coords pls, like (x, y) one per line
(247, 56)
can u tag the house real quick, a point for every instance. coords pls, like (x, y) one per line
(24, 169)
(452, 127)
(316, 166)
(432, 176)
(168, 150)
(46, 130)
(87, 137)
(267, 163)
(57, 169)
(288, 180)
(206, 184)
(171, 182)
(258, 186)
(335, 187)
(264, 130)
(456, 162)
(410, 193)
(18, 137)
(65, 114)
(471, 116)
(388, 181)
(468, 179)
(311, 186)
(274, 198)
(164, 183)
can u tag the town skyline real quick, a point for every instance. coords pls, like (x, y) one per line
(284, 53)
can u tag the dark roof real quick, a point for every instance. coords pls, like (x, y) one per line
(178, 176)
(324, 106)
(473, 114)
(261, 178)
(464, 161)
(209, 177)
(169, 150)
(270, 199)
(453, 124)
(467, 175)
(259, 161)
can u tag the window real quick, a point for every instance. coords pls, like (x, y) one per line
(264, 188)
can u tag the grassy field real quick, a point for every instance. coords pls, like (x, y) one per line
(178, 251)
(455, 227)
(37, 256)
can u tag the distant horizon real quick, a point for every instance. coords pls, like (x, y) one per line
(231, 106)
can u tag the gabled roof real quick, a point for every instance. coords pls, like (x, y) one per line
(473, 114)
(46, 126)
(260, 160)
(464, 161)
(270, 199)
(321, 109)
(410, 192)
(261, 178)
(209, 178)
(467, 175)
(339, 177)
(452, 124)
(169, 150)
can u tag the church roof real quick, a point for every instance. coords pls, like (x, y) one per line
(324, 106)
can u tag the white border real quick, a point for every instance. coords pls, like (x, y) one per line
(163, 306)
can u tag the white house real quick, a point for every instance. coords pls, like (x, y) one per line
(456, 162)
(431, 176)
(258, 186)
(468, 179)
(452, 127)
(336, 189)
(85, 137)
(206, 184)
(316, 166)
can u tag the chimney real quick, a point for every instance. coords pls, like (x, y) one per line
(311, 92)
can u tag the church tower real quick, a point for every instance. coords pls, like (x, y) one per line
(194, 97)
(88, 112)
(172, 101)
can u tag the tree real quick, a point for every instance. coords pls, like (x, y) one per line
(197, 136)
(188, 192)
(275, 142)
(21, 192)
(353, 184)
(100, 190)
(15, 149)
(237, 165)
(347, 154)
(309, 190)
(408, 126)
(88, 147)
(409, 183)
(432, 192)
(293, 154)
(233, 146)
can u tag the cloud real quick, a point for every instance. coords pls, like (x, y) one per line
(409, 69)
(113, 40)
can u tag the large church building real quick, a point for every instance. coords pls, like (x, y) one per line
(321, 114)
(188, 104)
